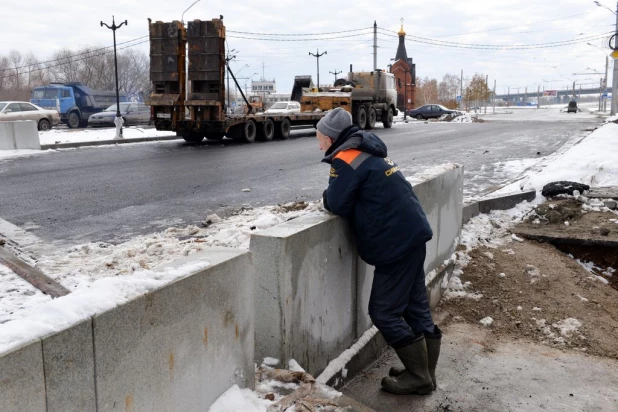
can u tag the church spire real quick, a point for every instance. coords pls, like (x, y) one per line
(401, 49)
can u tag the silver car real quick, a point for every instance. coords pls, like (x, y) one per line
(14, 111)
(132, 113)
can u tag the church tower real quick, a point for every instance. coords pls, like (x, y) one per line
(404, 70)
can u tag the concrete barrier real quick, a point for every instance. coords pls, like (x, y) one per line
(178, 347)
(505, 202)
(312, 289)
(19, 135)
(305, 290)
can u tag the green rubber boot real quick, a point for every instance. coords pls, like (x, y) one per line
(433, 343)
(416, 378)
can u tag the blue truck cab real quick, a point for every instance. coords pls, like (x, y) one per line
(74, 101)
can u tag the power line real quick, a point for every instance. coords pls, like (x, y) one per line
(296, 40)
(442, 43)
(299, 34)
(514, 27)
(75, 60)
(75, 55)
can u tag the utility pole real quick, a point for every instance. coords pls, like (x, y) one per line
(526, 96)
(605, 82)
(574, 96)
(486, 91)
(615, 77)
(494, 97)
(335, 73)
(229, 58)
(508, 97)
(317, 56)
(375, 46)
(538, 97)
(461, 90)
(118, 121)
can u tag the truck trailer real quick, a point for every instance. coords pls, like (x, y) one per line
(200, 112)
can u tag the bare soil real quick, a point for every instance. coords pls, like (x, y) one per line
(548, 287)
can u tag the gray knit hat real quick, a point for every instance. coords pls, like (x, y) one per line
(334, 122)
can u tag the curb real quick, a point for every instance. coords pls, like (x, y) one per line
(495, 203)
(108, 142)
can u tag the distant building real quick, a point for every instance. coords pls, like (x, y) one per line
(263, 87)
(405, 73)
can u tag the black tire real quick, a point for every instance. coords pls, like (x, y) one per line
(74, 120)
(387, 118)
(215, 136)
(282, 129)
(361, 117)
(191, 137)
(266, 131)
(371, 118)
(420, 117)
(249, 132)
(44, 125)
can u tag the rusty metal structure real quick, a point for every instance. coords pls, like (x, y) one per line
(168, 43)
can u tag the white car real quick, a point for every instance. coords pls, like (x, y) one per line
(44, 118)
(284, 108)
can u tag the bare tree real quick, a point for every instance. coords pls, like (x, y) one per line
(476, 90)
(447, 90)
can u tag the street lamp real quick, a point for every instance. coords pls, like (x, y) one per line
(182, 18)
(118, 121)
(614, 106)
(604, 83)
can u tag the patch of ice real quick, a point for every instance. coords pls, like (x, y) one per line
(568, 326)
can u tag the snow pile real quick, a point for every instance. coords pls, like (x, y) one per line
(565, 328)
(86, 300)
(79, 266)
(61, 135)
(592, 162)
(240, 400)
(13, 154)
(14, 291)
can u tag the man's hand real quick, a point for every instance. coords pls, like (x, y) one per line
(325, 201)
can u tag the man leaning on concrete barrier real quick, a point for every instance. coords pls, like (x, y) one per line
(391, 230)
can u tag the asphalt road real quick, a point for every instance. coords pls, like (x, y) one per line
(112, 193)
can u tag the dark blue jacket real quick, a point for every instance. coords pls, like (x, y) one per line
(367, 188)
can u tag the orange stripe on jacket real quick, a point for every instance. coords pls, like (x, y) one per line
(348, 156)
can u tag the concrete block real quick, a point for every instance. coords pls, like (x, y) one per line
(505, 202)
(364, 275)
(22, 382)
(69, 369)
(19, 135)
(305, 290)
(179, 347)
(469, 211)
(441, 195)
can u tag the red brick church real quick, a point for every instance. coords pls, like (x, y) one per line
(405, 73)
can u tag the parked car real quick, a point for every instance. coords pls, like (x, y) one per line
(284, 108)
(572, 107)
(430, 111)
(12, 111)
(132, 113)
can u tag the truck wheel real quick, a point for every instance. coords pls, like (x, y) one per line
(361, 117)
(192, 137)
(283, 129)
(44, 125)
(249, 131)
(74, 120)
(371, 118)
(266, 131)
(387, 118)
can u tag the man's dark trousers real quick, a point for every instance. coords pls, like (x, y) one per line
(398, 305)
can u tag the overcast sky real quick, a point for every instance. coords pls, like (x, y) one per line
(42, 26)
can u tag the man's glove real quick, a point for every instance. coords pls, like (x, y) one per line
(325, 201)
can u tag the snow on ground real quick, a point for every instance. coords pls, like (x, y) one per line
(592, 161)
(61, 135)
(13, 154)
(102, 275)
(240, 400)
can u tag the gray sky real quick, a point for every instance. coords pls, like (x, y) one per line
(42, 26)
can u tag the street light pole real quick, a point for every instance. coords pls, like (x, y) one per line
(118, 121)
(615, 77)
(335, 73)
(317, 56)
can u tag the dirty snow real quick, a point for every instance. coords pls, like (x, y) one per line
(62, 135)
(14, 154)
(486, 321)
(240, 400)
(103, 275)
